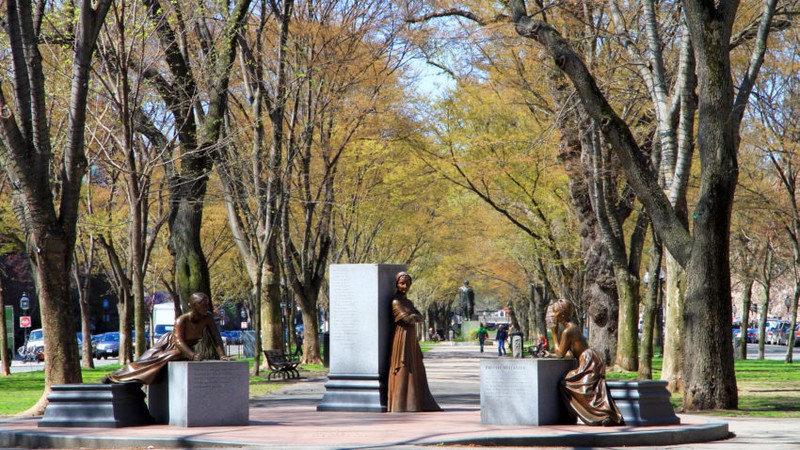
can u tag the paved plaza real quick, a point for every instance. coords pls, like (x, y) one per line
(288, 419)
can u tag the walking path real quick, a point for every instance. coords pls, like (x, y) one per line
(288, 419)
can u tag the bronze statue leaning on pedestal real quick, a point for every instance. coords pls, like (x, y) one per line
(175, 346)
(408, 382)
(583, 389)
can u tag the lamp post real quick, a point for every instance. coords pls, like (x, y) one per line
(25, 304)
(284, 327)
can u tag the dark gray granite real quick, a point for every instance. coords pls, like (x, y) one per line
(96, 405)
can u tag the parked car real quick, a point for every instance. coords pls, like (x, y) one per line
(33, 350)
(162, 329)
(106, 345)
(797, 336)
(752, 335)
(778, 334)
(233, 337)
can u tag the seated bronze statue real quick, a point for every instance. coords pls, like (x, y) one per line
(175, 346)
(583, 389)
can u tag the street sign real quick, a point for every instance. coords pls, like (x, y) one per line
(24, 321)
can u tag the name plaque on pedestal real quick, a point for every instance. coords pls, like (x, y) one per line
(523, 391)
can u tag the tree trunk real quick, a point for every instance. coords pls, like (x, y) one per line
(672, 367)
(539, 303)
(793, 325)
(748, 292)
(649, 312)
(311, 353)
(708, 348)
(627, 343)
(51, 270)
(191, 267)
(5, 356)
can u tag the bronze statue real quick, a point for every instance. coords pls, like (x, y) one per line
(583, 389)
(175, 346)
(467, 302)
(408, 383)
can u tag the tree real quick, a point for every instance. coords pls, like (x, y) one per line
(48, 219)
(197, 100)
(710, 378)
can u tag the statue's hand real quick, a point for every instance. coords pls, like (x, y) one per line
(197, 357)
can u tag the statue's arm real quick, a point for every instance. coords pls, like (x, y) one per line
(180, 341)
(216, 337)
(405, 314)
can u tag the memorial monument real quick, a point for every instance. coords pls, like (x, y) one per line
(182, 393)
(408, 382)
(584, 388)
(360, 331)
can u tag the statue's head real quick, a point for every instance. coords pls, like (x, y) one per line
(403, 275)
(466, 282)
(197, 299)
(563, 308)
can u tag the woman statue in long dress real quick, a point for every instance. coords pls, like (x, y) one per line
(583, 389)
(175, 346)
(408, 383)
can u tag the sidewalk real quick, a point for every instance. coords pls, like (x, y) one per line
(288, 419)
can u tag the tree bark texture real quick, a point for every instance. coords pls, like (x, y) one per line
(649, 312)
(5, 355)
(672, 366)
(748, 294)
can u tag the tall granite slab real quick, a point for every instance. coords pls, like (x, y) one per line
(643, 403)
(360, 330)
(524, 391)
(201, 394)
(96, 405)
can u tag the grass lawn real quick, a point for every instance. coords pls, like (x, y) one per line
(766, 388)
(21, 390)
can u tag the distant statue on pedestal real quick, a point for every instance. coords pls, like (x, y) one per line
(467, 300)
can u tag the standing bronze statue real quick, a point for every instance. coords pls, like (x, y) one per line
(175, 346)
(467, 301)
(408, 383)
(583, 389)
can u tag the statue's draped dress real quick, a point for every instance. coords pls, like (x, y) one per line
(408, 383)
(146, 369)
(585, 392)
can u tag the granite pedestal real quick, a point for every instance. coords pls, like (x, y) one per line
(201, 394)
(96, 405)
(523, 392)
(643, 403)
(360, 328)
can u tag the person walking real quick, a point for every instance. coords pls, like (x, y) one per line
(482, 335)
(502, 334)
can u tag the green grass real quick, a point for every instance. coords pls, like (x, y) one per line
(766, 388)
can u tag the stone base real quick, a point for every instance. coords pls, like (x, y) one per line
(356, 393)
(96, 405)
(201, 394)
(523, 392)
(643, 403)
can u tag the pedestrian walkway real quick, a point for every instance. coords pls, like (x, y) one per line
(288, 419)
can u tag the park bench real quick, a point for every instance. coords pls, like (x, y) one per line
(281, 365)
